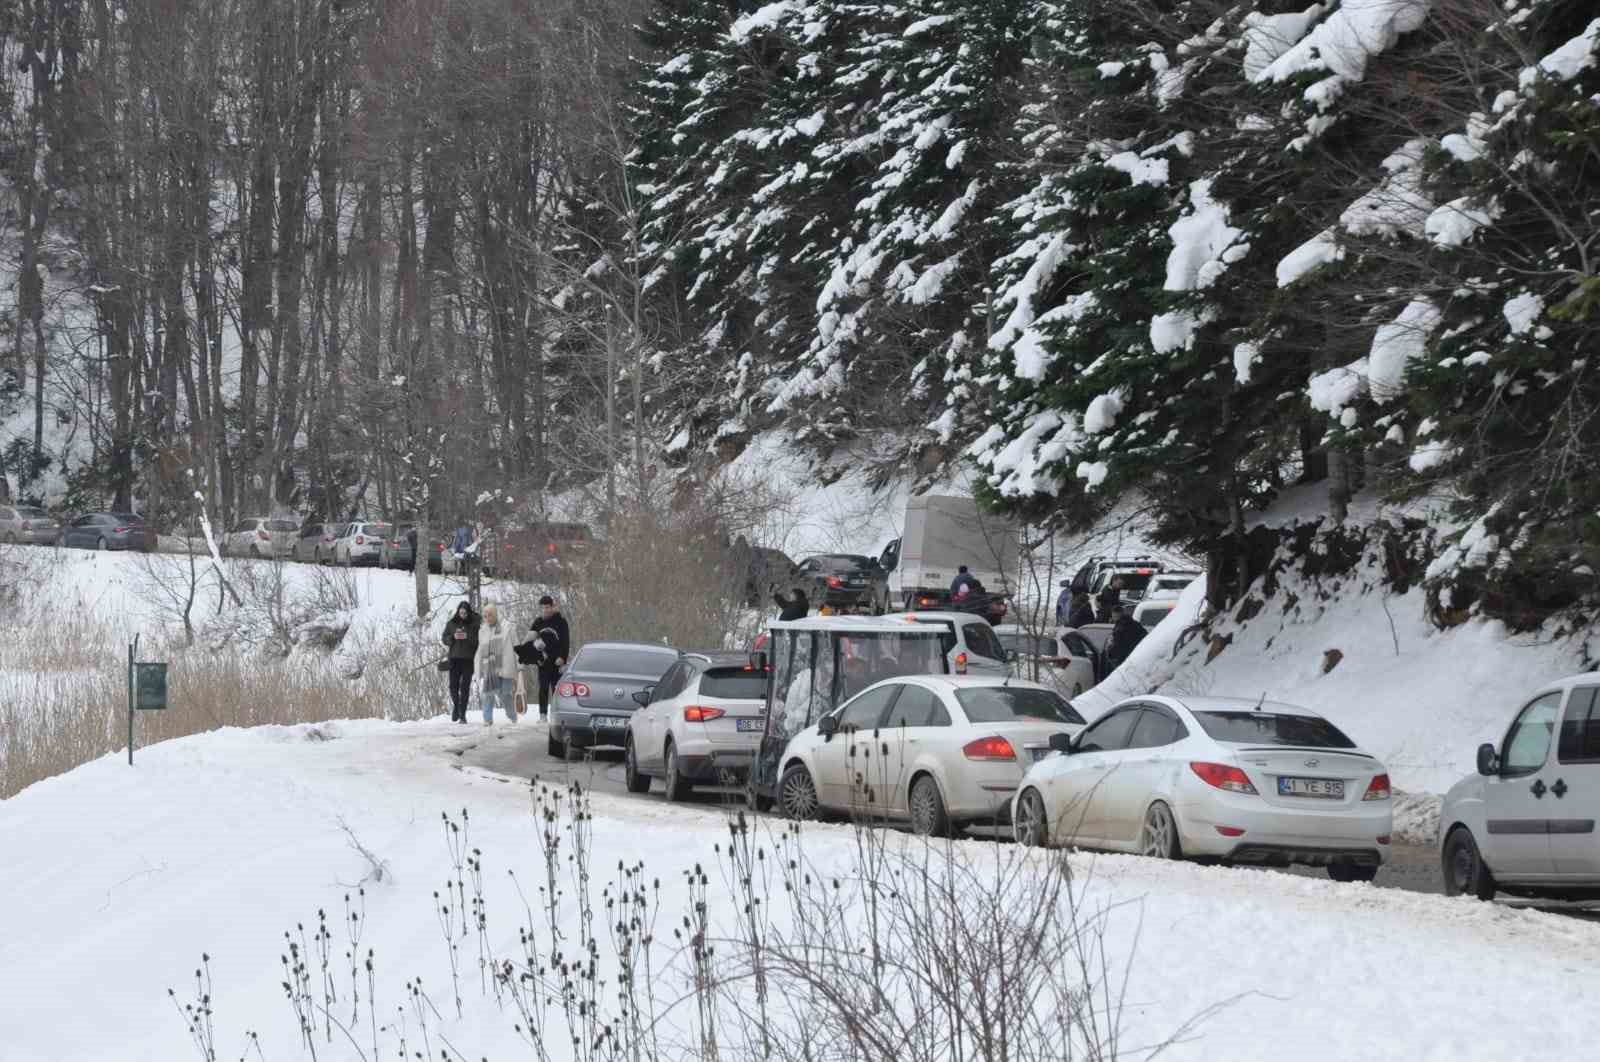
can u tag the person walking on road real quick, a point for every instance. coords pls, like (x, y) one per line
(461, 638)
(1126, 632)
(497, 664)
(793, 608)
(551, 628)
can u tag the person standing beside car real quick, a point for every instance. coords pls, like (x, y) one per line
(497, 661)
(551, 628)
(1126, 633)
(796, 607)
(1081, 612)
(461, 637)
(1110, 599)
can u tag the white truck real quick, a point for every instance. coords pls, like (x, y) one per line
(941, 533)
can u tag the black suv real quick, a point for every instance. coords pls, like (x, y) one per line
(842, 580)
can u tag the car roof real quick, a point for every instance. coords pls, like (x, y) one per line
(720, 658)
(954, 617)
(846, 624)
(967, 682)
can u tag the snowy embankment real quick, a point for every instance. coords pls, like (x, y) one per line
(121, 878)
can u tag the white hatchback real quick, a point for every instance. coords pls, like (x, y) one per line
(1525, 822)
(939, 751)
(702, 722)
(360, 543)
(1232, 780)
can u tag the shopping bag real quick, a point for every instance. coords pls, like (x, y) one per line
(519, 699)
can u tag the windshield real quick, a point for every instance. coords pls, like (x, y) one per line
(623, 662)
(1270, 728)
(1002, 704)
(733, 684)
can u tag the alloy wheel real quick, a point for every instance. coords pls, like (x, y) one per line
(1159, 837)
(927, 809)
(799, 794)
(1030, 827)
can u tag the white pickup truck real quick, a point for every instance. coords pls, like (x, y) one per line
(940, 534)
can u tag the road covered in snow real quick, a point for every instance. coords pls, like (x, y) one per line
(119, 879)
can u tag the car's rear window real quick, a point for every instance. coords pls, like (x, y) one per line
(282, 525)
(844, 562)
(380, 530)
(33, 514)
(1003, 704)
(733, 684)
(1270, 728)
(622, 662)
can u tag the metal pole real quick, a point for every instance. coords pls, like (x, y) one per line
(133, 648)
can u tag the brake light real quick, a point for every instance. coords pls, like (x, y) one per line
(1222, 776)
(572, 689)
(961, 663)
(583, 691)
(360, 541)
(989, 748)
(699, 714)
(262, 535)
(118, 530)
(926, 601)
(835, 582)
(1230, 831)
(439, 546)
(551, 549)
(1144, 571)
(1378, 788)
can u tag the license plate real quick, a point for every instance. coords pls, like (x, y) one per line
(750, 725)
(1325, 788)
(607, 721)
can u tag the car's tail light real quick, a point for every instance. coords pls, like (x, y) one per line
(262, 535)
(360, 541)
(1230, 831)
(1222, 776)
(834, 582)
(1383, 838)
(118, 530)
(551, 549)
(696, 713)
(583, 691)
(989, 748)
(961, 663)
(1378, 788)
(572, 689)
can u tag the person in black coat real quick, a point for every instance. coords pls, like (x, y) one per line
(1081, 612)
(461, 638)
(1110, 600)
(1126, 632)
(551, 629)
(792, 608)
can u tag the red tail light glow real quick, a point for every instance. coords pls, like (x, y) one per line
(262, 535)
(118, 530)
(1222, 776)
(699, 714)
(1378, 788)
(835, 582)
(360, 541)
(961, 663)
(1230, 831)
(551, 549)
(989, 748)
(572, 689)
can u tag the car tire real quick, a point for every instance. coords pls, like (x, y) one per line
(1158, 837)
(1348, 872)
(636, 780)
(1032, 826)
(797, 794)
(100, 544)
(676, 785)
(926, 803)
(555, 748)
(1465, 872)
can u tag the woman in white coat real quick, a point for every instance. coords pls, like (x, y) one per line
(497, 664)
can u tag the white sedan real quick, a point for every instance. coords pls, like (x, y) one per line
(1232, 780)
(939, 751)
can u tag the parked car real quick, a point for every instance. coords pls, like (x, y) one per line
(315, 543)
(1094, 637)
(261, 537)
(396, 551)
(360, 543)
(26, 525)
(1161, 596)
(969, 643)
(939, 751)
(539, 551)
(1065, 660)
(1095, 573)
(594, 699)
(1524, 824)
(841, 580)
(702, 722)
(1235, 780)
(126, 531)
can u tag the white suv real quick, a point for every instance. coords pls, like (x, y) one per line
(702, 722)
(1525, 823)
(970, 647)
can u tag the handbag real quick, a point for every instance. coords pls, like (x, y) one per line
(519, 699)
(443, 665)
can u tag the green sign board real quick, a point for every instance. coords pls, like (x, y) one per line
(149, 686)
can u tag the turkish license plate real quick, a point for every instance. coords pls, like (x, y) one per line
(609, 721)
(750, 725)
(1325, 788)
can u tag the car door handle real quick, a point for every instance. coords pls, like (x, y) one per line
(1537, 788)
(1559, 789)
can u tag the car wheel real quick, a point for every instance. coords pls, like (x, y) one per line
(1159, 837)
(1351, 872)
(797, 793)
(676, 785)
(637, 782)
(928, 816)
(100, 543)
(1031, 827)
(1465, 872)
(556, 749)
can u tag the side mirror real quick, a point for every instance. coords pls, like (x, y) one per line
(1488, 762)
(642, 697)
(828, 725)
(1061, 743)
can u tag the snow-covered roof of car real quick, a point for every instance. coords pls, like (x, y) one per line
(920, 615)
(651, 646)
(897, 624)
(969, 681)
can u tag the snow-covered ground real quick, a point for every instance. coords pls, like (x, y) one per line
(119, 879)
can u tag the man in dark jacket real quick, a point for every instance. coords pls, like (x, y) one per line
(1064, 604)
(1126, 632)
(1081, 612)
(461, 637)
(966, 579)
(551, 628)
(793, 608)
(1110, 599)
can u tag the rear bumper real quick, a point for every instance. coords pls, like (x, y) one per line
(1274, 834)
(1282, 855)
(578, 729)
(847, 598)
(717, 765)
